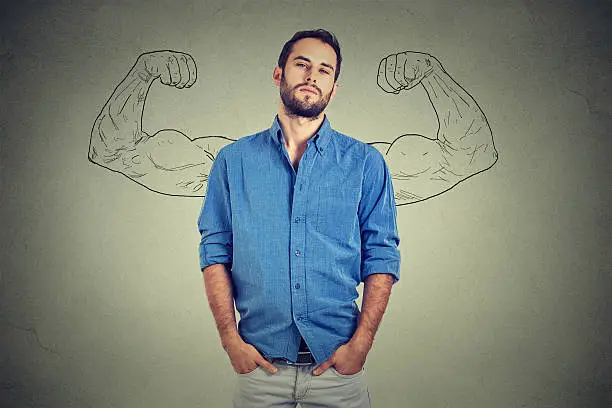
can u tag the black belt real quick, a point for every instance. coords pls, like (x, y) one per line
(304, 357)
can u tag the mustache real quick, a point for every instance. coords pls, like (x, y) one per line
(306, 84)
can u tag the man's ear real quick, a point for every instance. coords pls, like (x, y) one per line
(333, 92)
(277, 74)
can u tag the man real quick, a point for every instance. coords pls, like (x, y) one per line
(295, 217)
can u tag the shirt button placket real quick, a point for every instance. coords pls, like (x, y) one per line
(298, 233)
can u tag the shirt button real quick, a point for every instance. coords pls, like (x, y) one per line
(297, 253)
(297, 219)
(297, 286)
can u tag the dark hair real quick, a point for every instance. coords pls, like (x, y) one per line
(323, 35)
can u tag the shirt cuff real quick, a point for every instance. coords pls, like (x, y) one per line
(390, 267)
(211, 254)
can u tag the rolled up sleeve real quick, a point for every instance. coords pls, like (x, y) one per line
(215, 220)
(377, 218)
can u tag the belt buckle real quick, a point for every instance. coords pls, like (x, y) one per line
(304, 359)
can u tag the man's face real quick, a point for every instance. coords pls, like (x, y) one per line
(307, 81)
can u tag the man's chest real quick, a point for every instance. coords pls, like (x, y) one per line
(323, 195)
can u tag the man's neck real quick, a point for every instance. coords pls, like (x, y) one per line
(298, 130)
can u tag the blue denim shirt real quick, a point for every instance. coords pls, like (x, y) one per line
(299, 243)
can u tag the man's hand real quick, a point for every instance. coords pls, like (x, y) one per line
(171, 67)
(405, 70)
(245, 358)
(347, 359)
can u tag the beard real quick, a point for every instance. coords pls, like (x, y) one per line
(297, 107)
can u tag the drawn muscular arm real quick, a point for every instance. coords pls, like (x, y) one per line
(422, 167)
(168, 161)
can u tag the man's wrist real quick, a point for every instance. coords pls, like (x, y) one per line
(361, 341)
(230, 339)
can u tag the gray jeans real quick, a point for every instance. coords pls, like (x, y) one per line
(292, 385)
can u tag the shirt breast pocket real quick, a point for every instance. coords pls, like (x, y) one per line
(337, 207)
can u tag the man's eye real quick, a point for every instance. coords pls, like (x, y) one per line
(323, 71)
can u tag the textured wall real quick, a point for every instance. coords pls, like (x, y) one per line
(504, 297)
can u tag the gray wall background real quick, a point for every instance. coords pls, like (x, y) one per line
(505, 293)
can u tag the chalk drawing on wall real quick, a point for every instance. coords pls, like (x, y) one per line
(171, 163)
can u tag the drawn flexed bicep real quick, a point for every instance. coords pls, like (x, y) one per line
(167, 162)
(423, 167)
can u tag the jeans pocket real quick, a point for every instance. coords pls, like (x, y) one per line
(252, 372)
(347, 376)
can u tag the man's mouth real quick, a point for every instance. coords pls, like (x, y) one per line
(309, 89)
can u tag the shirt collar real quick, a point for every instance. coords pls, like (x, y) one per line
(321, 139)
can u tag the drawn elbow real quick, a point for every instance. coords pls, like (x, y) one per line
(490, 158)
(485, 160)
(96, 143)
(473, 161)
(93, 155)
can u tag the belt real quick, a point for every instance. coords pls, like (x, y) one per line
(304, 357)
(301, 361)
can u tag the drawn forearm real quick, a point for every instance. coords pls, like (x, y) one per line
(464, 135)
(118, 127)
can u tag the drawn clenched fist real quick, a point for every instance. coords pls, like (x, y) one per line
(405, 70)
(171, 67)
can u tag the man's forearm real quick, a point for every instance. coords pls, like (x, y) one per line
(218, 287)
(376, 292)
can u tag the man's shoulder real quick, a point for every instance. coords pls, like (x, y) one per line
(245, 143)
(349, 144)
